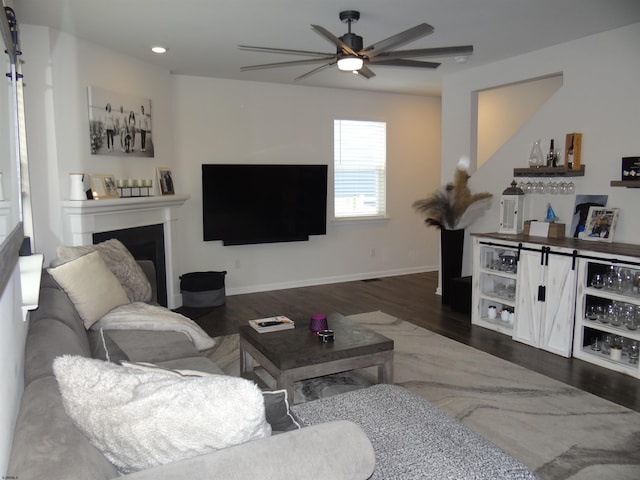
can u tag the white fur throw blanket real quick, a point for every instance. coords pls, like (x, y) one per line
(143, 316)
(140, 419)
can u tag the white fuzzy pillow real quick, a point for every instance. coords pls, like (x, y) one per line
(140, 418)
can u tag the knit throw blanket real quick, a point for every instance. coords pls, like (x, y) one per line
(143, 316)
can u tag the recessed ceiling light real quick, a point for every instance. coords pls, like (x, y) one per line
(158, 49)
(461, 59)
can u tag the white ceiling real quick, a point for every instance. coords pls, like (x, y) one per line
(202, 35)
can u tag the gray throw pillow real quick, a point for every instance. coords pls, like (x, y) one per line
(277, 411)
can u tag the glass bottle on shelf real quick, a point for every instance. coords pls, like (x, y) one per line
(570, 153)
(536, 158)
(551, 156)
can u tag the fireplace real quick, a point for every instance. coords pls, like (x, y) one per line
(145, 225)
(144, 243)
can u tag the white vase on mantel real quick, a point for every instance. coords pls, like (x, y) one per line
(76, 186)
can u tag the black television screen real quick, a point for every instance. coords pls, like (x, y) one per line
(245, 204)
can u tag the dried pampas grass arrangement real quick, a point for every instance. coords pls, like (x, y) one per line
(453, 206)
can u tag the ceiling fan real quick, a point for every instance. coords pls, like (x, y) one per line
(352, 57)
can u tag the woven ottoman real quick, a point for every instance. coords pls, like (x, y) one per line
(413, 439)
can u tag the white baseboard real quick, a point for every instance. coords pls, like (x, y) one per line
(328, 280)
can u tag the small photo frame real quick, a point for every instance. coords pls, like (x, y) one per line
(103, 186)
(165, 180)
(600, 224)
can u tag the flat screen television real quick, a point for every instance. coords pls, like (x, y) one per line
(248, 204)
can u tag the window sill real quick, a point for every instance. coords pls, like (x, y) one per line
(372, 218)
(30, 272)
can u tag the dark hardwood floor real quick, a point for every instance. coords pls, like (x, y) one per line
(412, 298)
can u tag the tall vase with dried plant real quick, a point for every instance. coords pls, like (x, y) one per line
(452, 208)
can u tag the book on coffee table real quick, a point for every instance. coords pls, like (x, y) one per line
(272, 324)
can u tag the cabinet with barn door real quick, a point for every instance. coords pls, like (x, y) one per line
(526, 290)
(572, 296)
(546, 298)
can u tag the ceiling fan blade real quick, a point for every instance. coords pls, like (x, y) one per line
(398, 39)
(288, 64)
(399, 62)
(284, 50)
(428, 52)
(315, 70)
(333, 39)
(366, 72)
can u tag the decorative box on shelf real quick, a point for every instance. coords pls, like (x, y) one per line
(631, 169)
(556, 230)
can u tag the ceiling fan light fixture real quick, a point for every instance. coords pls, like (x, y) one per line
(350, 63)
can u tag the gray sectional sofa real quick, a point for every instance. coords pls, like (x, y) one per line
(47, 444)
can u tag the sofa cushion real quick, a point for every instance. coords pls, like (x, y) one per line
(142, 316)
(55, 303)
(91, 286)
(104, 348)
(200, 364)
(46, 443)
(140, 419)
(49, 338)
(153, 346)
(120, 261)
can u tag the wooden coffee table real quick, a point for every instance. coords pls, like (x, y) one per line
(298, 354)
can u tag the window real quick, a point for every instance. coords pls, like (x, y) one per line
(360, 162)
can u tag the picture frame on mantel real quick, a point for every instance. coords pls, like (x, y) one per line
(165, 181)
(103, 186)
(600, 225)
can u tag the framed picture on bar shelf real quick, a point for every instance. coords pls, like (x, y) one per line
(600, 224)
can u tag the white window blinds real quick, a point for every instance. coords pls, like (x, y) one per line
(360, 162)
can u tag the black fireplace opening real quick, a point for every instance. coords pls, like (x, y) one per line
(144, 243)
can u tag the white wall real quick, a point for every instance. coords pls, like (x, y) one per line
(599, 98)
(199, 120)
(503, 110)
(224, 121)
(58, 69)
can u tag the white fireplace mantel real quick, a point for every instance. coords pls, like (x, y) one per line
(83, 218)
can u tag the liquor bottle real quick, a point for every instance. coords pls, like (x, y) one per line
(570, 154)
(551, 156)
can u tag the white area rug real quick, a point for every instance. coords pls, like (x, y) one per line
(557, 430)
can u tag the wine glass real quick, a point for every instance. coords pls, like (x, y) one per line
(562, 189)
(614, 315)
(597, 281)
(602, 314)
(634, 353)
